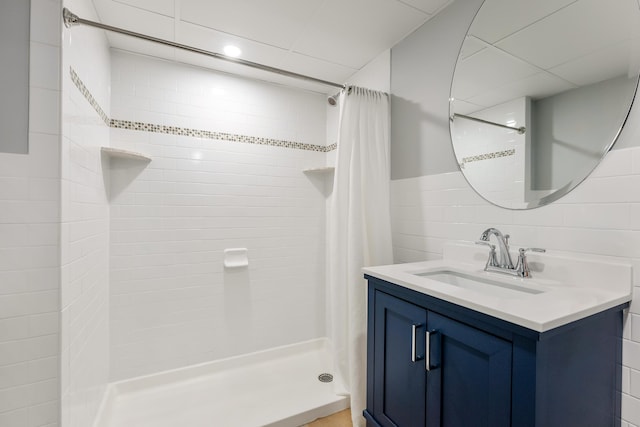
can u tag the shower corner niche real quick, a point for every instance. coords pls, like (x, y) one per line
(118, 153)
(324, 170)
(120, 168)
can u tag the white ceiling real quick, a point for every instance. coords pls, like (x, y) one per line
(521, 48)
(326, 39)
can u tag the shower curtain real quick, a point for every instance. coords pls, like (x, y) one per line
(359, 233)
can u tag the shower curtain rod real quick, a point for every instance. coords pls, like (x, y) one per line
(71, 19)
(520, 130)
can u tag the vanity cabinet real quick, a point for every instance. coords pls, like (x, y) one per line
(434, 363)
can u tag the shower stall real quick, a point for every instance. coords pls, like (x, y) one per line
(193, 243)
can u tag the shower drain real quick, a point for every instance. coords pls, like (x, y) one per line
(325, 378)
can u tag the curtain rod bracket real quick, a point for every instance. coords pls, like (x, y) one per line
(70, 19)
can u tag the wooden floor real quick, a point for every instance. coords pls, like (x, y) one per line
(339, 419)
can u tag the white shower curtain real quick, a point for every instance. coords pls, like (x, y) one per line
(359, 233)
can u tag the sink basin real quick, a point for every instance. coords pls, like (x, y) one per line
(479, 284)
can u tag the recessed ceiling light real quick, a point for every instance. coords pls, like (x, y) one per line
(233, 51)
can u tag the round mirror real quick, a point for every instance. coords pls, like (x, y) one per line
(540, 93)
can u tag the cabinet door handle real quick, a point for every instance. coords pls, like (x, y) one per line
(428, 336)
(414, 347)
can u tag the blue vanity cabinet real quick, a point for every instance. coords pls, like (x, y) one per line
(469, 381)
(483, 371)
(400, 384)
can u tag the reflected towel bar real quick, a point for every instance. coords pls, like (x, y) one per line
(521, 130)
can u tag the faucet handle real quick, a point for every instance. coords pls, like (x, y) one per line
(522, 266)
(523, 250)
(492, 261)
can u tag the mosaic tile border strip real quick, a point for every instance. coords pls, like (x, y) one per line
(488, 156)
(222, 136)
(196, 133)
(88, 96)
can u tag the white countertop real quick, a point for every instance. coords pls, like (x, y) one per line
(570, 286)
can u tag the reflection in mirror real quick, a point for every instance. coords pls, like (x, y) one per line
(540, 93)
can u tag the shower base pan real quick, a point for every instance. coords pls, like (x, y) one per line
(275, 388)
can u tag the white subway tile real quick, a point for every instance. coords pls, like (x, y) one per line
(599, 190)
(43, 28)
(14, 188)
(17, 418)
(631, 409)
(634, 379)
(616, 216)
(44, 414)
(44, 108)
(635, 161)
(615, 163)
(550, 215)
(635, 298)
(22, 304)
(44, 67)
(595, 241)
(44, 152)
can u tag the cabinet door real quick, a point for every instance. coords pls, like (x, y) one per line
(469, 383)
(399, 384)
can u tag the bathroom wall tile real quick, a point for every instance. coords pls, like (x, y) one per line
(614, 189)
(17, 418)
(635, 327)
(635, 161)
(42, 74)
(631, 409)
(631, 355)
(627, 325)
(44, 150)
(43, 28)
(634, 381)
(626, 380)
(22, 304)
(550, 215)
(44, 107)
(635, 301)
(171, 301)
(492, 215)
(44, 414)
(615, 216)
(635, 216)
(84, 232)
(29, 217)
(616, 163)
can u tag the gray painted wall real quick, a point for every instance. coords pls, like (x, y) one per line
(14, 69)
(421, 72)
(571, 130)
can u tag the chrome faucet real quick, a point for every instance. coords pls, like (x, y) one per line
(503, 263)
(503, 245)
